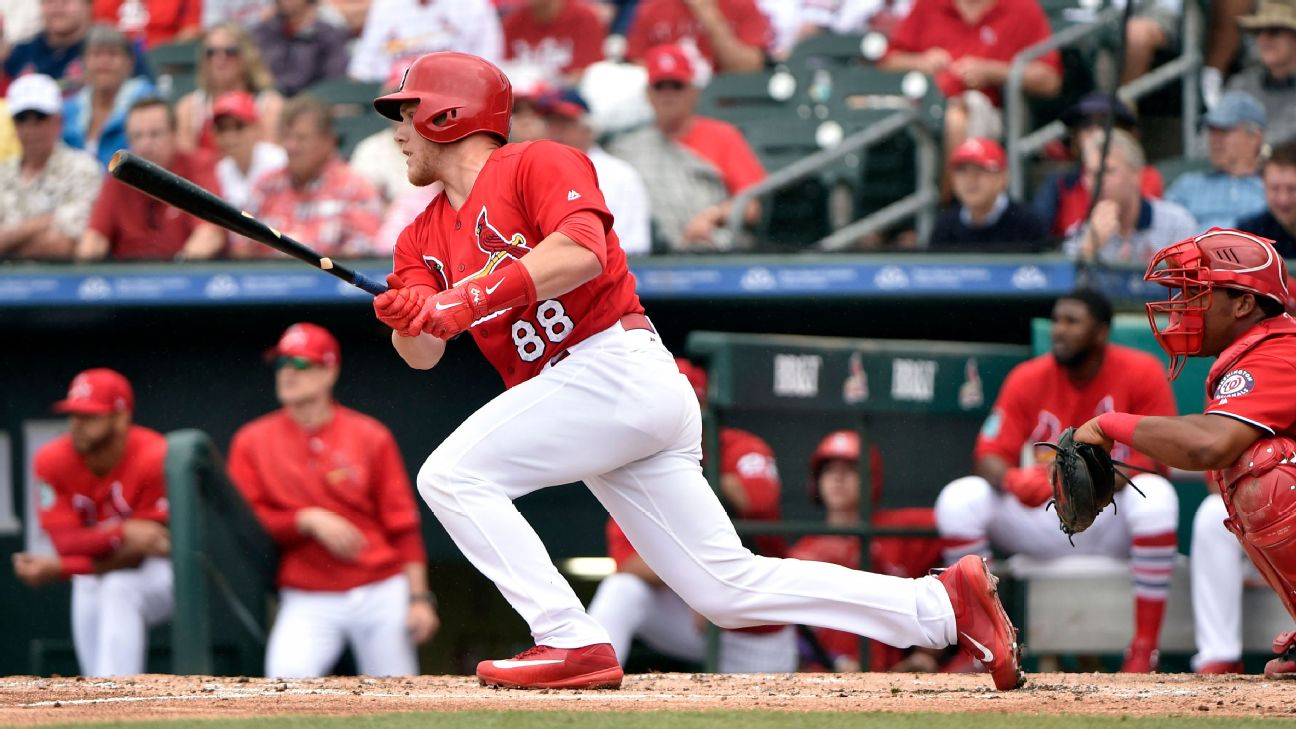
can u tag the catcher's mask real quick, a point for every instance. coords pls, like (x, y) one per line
(1193, 268)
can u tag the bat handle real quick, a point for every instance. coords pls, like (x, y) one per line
(369, 284)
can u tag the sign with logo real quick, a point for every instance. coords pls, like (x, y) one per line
(913, 379)
(797, 375)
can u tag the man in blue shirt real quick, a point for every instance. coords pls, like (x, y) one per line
(1232, 189)
(56, 50)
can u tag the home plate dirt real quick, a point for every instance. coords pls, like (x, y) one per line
(28, 701)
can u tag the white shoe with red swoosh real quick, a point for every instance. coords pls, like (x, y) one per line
(984, 631)
(590, 667)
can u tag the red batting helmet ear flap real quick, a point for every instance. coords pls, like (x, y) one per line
(457, 93)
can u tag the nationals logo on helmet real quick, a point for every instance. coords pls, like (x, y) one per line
(1233, 384)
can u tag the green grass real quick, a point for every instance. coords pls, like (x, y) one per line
(698, 719)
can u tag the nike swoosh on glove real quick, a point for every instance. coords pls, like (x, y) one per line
(1029, 485)
(399, 304)
(449, 312)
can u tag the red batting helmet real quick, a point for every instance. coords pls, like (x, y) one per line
(457, 94)
(697, 377)
(1192, 268)
(844, 445)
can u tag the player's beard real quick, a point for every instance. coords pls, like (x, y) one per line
(420, 171)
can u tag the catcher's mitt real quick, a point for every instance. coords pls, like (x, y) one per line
(1084, 482)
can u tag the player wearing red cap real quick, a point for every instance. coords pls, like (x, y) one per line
(834, 484)
(103, 504)
(634, 602)
(520, 251)
(1227, 292)
(329, 486)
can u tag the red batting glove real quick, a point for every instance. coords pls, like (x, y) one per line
(1029, 485)
(449, 312)
(399, 304)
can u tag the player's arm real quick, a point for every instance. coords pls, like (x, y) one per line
(206, 241)
(992, 468)
(1188, 442)
(422, 352)
(93, 246)
(560, 264)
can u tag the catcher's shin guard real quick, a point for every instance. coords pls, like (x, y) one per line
(1260, 494)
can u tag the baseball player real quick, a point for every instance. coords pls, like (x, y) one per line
(634, 601)
(103, 504)
(1227, 291)
(1004, 503)
(329, 486)
(834, 484)
(520, 249)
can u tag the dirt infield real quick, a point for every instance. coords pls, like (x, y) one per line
(27, 701)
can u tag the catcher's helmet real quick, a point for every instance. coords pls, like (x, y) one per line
(457, 93)
(843, 445)
(1192, 268)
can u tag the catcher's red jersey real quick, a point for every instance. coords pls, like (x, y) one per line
(351, 467)
(1038, 401)
(1260, 387)
(83, 512)
(522, 194)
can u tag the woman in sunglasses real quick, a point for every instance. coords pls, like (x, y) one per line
(227, 61)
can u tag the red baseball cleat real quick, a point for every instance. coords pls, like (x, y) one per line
(591, 667)
(1284, 666)
(984, 630)
(1140, 658)
(1221, 667)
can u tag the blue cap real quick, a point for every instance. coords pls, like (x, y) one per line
(1233, 109)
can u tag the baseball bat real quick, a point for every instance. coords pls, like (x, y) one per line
(175, 190)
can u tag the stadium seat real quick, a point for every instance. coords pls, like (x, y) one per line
(740, 97)
(348, 97)
(352, 129)
(827, 50)
(180, 57)
(796, 215)
(173, 86)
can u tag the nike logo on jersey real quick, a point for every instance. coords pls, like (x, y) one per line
(572, 195)
(441, 306)
(986, 655)
(491, 289)
(523, 664)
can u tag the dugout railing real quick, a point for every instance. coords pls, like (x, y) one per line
(929, 396)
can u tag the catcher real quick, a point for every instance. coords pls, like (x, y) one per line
(1227, 291)
(1005, 502)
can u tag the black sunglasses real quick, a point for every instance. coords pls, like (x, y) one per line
(668, 86)
(28, 116)
(228, 51)
(297, 363)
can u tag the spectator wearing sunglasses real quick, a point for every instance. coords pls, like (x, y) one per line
(46, 193)
(228, 60)
(329, 485)
(692, 165)
(95, 117)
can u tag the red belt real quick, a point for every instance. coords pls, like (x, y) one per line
(636, 321)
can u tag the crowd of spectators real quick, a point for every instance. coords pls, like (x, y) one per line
(670, 173)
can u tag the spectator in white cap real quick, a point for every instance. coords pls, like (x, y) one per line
(46, 193)
(567, 121)
(1232, 189)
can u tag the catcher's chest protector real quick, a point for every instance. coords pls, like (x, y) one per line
(1259, 491)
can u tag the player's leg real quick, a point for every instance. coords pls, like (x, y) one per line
(1218, 570)
(86, 617)
(765, 652)
(1152, 523)
(376, 629)
(672, 627)
(622, 604)
(130, 601)
(964, 510)
(308, 634)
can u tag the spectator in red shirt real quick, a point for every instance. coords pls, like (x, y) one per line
(317, 197)
(126, 223)
(692, 165)
(562, 37)
(731, 35)
(967, 45)
(152, 21)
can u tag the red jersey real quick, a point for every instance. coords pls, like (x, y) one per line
(157, 21)
(83, 512)
(351, 467)
(670, 21)
(721, 144)
(566, 44)
(896, 556)
(139, 226)
(1038, 401)
(1254, 380)
(520, 197)
(1005, 30)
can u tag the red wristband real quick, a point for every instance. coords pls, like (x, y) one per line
(1119, 426)
(504, 289)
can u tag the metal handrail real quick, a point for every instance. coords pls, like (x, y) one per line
(810, 164)
(1184, 67)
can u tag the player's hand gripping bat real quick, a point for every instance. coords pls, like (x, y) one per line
(175, 190)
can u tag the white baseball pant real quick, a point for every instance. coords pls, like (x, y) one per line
(1219, 569)
(112, 613)
(629, 607)
(617, 414)
(970, 508)
(312, 628)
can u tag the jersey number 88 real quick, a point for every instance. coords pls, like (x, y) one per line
(553, 321)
